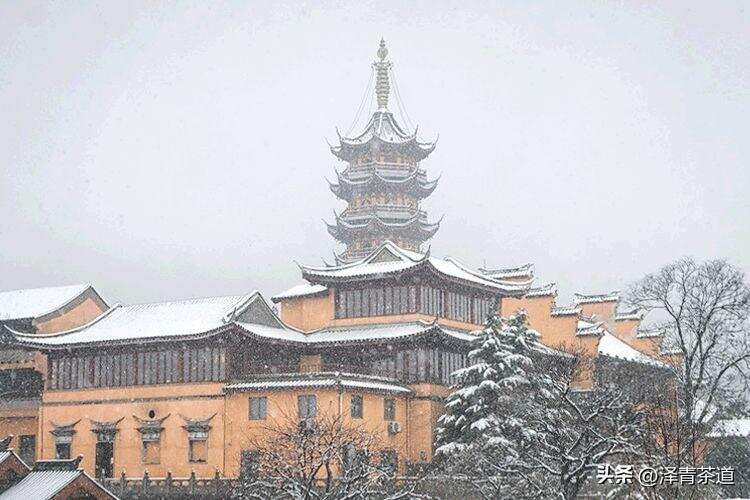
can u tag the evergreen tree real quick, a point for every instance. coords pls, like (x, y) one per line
(482, 409)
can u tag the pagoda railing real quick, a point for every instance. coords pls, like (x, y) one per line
(384, 168)
(387, 209)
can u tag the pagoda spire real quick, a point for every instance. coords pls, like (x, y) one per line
(383, 182)
(382, 83)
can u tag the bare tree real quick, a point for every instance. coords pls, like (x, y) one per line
(321, 458)
(703, 310)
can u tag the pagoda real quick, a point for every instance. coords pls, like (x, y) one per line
(382, 183)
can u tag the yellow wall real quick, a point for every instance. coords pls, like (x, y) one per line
(282, 405)
(79, 315)
(191, 400)
(231, 428)
(604, 311)
(307, 313)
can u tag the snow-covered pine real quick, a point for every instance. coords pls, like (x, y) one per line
(482, 409)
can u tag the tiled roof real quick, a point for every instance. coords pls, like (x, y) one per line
(523, 271)
(346, 380)
(611, 346)
(589, 327)
(581, 298)
(358, 333)
(151, 321)
(635, 313)
(36, 302)
(389, 259)
(566, 311)
(542, 291)
(303, 290)
(40, 485)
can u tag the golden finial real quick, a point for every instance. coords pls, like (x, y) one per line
(382, 84)
(383, 50)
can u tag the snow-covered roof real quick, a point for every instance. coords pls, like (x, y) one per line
(581, 298)
(333, 379)
(647, 333)
(611, 346)
(36, 302)
(44, 484)
(144, 322)
(588, 326)
(548, 290)
(389, 259)
(356, 333)
(566, 311)
(384, 128)
(302, 290)
(523, 271)
(6, 454)
(635, 313)
(731, 427)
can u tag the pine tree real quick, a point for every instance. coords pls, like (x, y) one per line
(482, 409)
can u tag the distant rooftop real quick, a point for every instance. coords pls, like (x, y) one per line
(35, 302)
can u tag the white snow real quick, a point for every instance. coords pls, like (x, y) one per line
(404, 260)
(582, 298)
(350, 381)
(571, 310)
(542, 291)
(355, 333)
(143, 321)
(611, 346)
(299, 291)
(523, 271)
(36, 302)
(41, 484)
(587, 327)
(733, 427)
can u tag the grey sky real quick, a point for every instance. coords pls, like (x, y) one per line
(175, 150)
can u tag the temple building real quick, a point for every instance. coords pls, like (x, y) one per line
(383, 182)
(22, 372)
(188, 386)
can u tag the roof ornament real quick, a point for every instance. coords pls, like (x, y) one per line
(382, 84)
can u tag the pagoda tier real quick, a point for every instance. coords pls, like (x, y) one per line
(382, 180)
(371, 229)
(383, 183)
(383, 135)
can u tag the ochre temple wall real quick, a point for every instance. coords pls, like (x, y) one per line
(604, 311)
(282, 406)
(231, 432)
(307, 313)
(17, 425)
(109, 405)
(79, 315)
(82, 487)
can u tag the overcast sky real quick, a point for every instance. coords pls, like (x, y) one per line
(169, 150)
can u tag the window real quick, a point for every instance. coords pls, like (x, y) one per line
(258, 407)
(389, 409)
(356, 406)
(151, 452)
(62, 451)
(27, 449)
(198, 450)
(307, 405)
